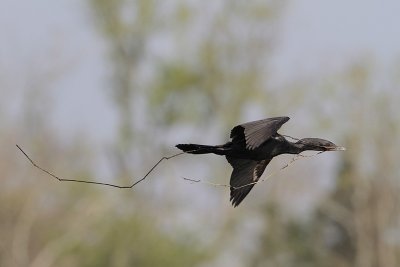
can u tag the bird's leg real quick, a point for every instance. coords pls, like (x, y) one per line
(99, 183)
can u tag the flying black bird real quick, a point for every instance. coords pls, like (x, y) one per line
(252, 147)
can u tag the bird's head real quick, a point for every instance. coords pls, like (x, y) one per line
(318, 144)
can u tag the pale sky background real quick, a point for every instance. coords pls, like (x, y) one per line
(38, 36)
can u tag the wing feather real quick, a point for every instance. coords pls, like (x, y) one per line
(256, 133)
(245, 172)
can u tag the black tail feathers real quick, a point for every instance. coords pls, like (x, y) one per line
(197, 149)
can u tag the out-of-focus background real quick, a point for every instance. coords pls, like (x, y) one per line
(101, 89)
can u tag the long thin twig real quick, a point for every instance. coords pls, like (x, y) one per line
(99, 183)
(296, 157)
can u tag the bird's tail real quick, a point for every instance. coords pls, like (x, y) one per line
(200, 149)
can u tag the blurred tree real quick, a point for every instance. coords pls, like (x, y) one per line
(127, 26)
(227, 69)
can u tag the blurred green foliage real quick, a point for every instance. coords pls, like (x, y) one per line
(131, 241)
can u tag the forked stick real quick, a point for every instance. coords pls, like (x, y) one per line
(98, 183)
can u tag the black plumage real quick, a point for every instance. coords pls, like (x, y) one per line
(253, 145)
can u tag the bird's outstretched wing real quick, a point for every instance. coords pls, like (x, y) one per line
(245, 172)
(257, 132)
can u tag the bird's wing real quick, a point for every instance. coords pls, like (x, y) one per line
(244, 175)
(257, 132)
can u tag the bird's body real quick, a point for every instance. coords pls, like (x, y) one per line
(253, 145)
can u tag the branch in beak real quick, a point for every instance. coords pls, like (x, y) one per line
(335, 148)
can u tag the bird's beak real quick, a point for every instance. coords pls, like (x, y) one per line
(335, 148)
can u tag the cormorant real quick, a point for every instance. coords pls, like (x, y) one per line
(252, 147)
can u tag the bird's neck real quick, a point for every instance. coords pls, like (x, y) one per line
(294, 148)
